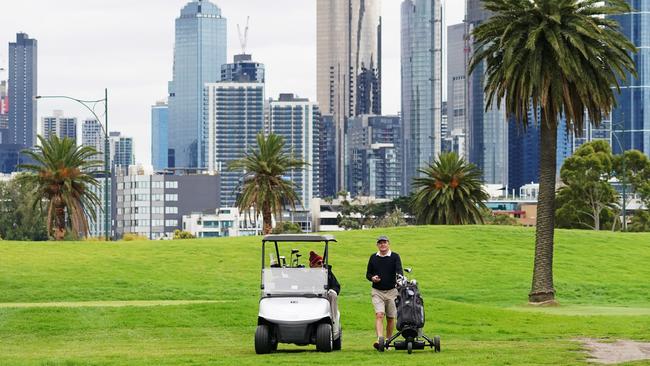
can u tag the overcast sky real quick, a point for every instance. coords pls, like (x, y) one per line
(127, 47)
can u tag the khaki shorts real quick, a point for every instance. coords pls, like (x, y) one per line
(384, 302)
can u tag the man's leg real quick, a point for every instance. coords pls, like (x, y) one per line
(379, 324)
(390, 325)
(332, 296)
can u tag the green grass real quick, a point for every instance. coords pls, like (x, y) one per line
(474, 282)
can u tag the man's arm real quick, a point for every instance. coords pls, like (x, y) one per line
(369, 270)
(398, 265)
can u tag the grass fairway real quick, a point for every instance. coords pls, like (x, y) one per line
(194, 302)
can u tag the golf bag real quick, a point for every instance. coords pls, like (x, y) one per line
(410, 319)
(410, 307)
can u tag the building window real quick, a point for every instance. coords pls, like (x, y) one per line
(171, 184)
(171, 197)
(171, 210)
(156, 222)
(171, 222)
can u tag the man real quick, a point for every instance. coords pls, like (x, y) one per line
(382, 271)
(333, 286)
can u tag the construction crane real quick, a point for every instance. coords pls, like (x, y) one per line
(243, 38)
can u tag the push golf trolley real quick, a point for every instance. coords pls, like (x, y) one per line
(410, 319)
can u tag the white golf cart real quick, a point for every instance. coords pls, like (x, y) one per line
(293, 306)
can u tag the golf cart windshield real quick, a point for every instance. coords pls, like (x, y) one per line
(294, 281)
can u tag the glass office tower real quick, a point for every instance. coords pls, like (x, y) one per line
(199, 52)
(630, 120)
(421, 61)
(159, 131)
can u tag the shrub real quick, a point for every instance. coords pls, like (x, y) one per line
(287, 228)
(133, 237)
(178, 234)
(502, 220)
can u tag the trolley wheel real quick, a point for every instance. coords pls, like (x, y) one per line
(409, 347)
(382, 344)
(436, 343)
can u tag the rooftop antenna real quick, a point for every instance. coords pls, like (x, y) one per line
(243, 38)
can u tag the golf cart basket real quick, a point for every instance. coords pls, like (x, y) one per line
(410, 318)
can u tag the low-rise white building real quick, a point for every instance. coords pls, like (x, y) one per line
(224, 222)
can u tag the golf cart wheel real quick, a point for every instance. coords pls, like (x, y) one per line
(324, 338)
(436, 343)
(336, 344)
(409, 347)
(263, 342)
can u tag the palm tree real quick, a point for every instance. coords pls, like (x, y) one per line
(449, 192)
(62, 174)
(556, 57)
(264, 189)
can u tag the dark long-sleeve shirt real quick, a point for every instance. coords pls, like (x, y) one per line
(386, 268)
(332, 282)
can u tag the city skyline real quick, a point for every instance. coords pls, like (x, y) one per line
(135, 61)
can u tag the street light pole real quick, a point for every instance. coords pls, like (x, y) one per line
(620, 146)
(107, 170)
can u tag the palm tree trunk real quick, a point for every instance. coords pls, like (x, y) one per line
(542, 287)
(59, 220)
(267, 225)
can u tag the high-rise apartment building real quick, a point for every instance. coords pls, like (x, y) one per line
(374, 156)
(487, 131)
(630, 120)
(297, 120)
(348, 64)
(421, 60)
(234, 115)
(121, 149)
(59, 125)
(92, 134)
(4, 111)
(199, 52)
(159, 136)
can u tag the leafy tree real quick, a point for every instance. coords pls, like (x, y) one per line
(586, 176)
(264, 189)
(63, 174)
(19, 219)
(640, 221)
(572, 213)
(633, 169)
(449, 192)
(558, 57)
(392, 219)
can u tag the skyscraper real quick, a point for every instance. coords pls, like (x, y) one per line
(60, 126)
(234, 115)
(630, 120)
(421, 60)
(22, 90)
(297, 120)
(159, 135)
(487, 132)
(199, 52)
(327, 159)
(456, 80)
(348, 64)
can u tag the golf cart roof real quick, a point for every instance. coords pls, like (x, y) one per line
(299, 238)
